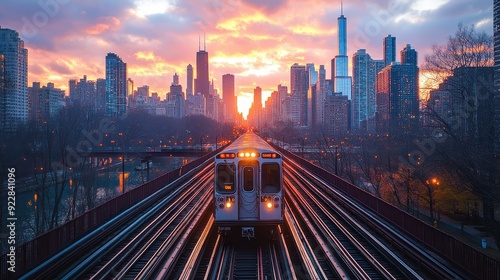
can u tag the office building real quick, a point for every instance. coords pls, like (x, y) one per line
(389, 50)
(189, 80)
(364, 105)
(228, 98)
(116, 85)
(340, 77)
(14, 99)
(44, 102)
(397, 95)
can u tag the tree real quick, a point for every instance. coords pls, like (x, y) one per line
(462, 137)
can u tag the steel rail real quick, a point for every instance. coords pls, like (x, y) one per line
(434, 264)
(175, 241)
(150, 233)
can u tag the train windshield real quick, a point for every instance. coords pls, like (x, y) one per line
(225, 178)
(271, 178)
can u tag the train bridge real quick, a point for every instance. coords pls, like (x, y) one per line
(164, 229)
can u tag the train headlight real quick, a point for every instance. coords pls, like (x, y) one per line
(228, 204)
(221, 205)
(269, 205)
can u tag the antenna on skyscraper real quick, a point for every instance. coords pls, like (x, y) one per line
(204, 42)
(341, 8)
(199, 44)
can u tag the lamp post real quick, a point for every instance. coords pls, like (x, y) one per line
(336, 159)
(123, 162)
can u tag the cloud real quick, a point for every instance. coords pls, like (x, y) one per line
(256, 40)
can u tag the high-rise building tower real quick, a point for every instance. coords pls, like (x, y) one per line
(228, 98)
(116, 85)
(202, 83)
(175, 80)
(45, 102)
(389, 50)
(340, 76)
(189, 77)
(397, 97)
(409, 56)
(364, 73)
(299, 86)
(14, 100)
(321, 92)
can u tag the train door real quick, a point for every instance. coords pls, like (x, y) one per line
(248, 202)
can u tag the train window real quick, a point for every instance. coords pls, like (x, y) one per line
(248, 179)
(271, 178)
(225, 178)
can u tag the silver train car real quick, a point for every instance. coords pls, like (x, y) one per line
(248, 190)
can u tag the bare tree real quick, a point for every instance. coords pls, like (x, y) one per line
(466, 133)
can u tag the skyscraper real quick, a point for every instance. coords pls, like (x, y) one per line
(175, 80)
(14, 100)
(189, 77)
(321, 92)
(364, 73)
(229, 98)
(44, 102)
(299, 86)
(340, 76)
(397, 97)
(116, 85)
(389, 50)
(202, 83)
(409, 56)
(336, 110)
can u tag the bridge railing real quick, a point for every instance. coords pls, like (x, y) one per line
(463, 255)
(42, 247)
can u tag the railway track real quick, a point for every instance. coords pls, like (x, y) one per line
(171, 235)
(339, 242)
(136, 243)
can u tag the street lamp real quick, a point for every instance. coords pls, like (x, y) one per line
(336, 160)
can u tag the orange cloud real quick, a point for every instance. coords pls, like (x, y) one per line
(108, 23)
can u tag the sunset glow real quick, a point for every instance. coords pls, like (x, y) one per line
(256, 41)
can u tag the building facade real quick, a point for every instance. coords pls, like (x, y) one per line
(228, 98)
(116, 85)
(14, 98)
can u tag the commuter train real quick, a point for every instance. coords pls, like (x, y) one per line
(248, 190)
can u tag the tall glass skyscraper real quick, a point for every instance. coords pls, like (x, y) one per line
(116, 85)
(389, 50)
(14, 98)
(364, 73)
(229, 98)
(202, 82)
(341, 79)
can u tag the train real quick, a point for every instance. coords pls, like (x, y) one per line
(248, 189)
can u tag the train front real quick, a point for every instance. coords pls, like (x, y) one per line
(248, 189)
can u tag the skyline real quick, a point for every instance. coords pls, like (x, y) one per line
(257, 42)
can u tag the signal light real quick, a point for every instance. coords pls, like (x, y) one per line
(270, 155)
(226, 155)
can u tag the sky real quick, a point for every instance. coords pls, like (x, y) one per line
(255, 40)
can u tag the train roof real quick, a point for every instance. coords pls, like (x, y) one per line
(249, 140)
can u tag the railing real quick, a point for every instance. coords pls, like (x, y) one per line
(36, 251)
(476, 263)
